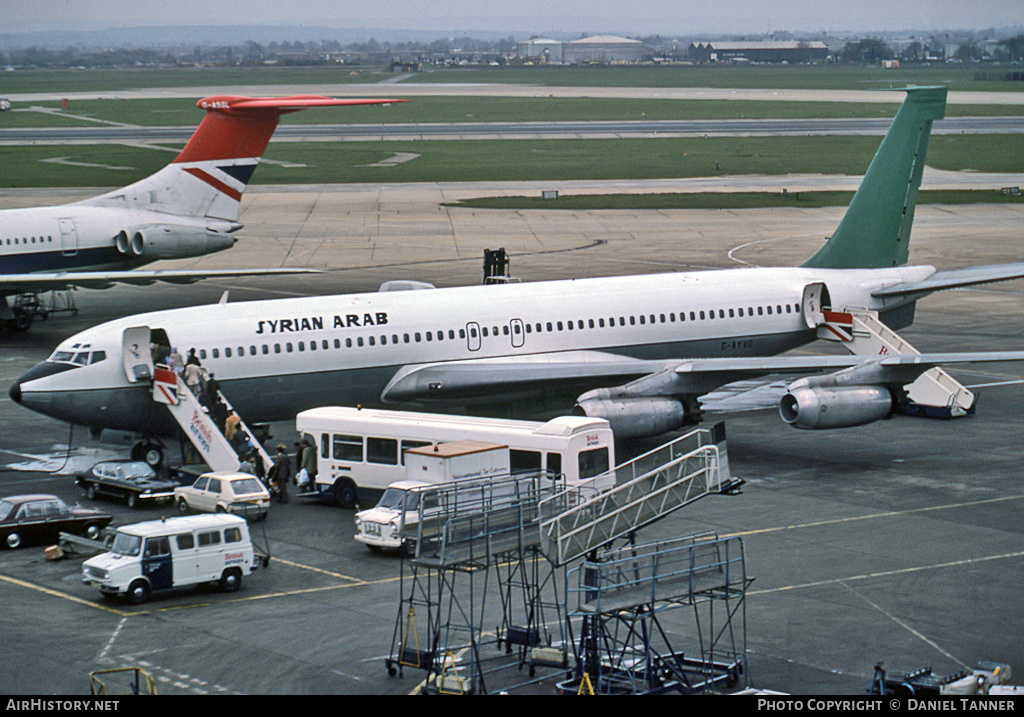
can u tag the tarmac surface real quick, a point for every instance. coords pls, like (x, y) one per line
(900, 541)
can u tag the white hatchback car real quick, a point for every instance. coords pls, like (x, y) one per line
(239, 493)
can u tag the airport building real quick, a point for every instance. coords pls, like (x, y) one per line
(541, 50)
(599, 49)
(741, 52)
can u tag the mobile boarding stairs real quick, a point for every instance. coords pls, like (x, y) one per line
(456, 529)
(170, 390)
(934, 394)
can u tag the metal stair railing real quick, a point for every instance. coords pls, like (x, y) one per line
(577, 521)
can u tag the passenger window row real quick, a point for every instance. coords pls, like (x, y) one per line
(26, 240)
(515, 328)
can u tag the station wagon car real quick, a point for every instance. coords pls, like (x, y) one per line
(40, 517)
(239, 493)
(132, 481)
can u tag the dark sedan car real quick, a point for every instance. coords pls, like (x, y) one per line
(131, 481)
(38, 518)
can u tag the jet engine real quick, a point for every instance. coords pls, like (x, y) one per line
(636, 417)
(130, 244)
(172, 241)
(836, 407)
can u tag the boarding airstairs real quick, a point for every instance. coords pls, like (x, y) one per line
(199, 426)
(579, 520)
(934, 393)
(456, 534)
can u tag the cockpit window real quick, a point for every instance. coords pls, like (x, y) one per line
(77, 355)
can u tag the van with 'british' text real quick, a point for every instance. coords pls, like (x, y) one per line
(172, 553)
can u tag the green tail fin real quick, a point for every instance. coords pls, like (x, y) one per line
(875, 231)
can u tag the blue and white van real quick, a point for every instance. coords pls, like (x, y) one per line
(171, 553)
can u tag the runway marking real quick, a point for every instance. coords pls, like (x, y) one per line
(318, 570)
(908, 628)
(888, 573)
(872, 516)
(113, 637)
(66, 596)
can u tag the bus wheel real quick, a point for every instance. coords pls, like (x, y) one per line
(345, 493)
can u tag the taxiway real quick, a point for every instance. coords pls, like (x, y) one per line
(899, 541)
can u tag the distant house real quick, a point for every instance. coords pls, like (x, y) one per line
(794, 51)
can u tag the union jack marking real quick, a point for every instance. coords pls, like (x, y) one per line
(165, 387)
(840, 324)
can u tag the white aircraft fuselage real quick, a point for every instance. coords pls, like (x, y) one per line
(278, 357)
(79, 237)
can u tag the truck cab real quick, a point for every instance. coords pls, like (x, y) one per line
(378, 528)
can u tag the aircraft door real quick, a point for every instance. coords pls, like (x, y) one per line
(815, 301)
(138, 359)
(473, 336)
(68, 237)
(518, 333)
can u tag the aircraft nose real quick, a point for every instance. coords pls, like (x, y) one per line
(40, 370)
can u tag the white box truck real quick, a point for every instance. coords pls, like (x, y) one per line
(378, 528)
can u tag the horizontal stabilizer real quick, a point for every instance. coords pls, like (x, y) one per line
(955, 279)
(282, 105)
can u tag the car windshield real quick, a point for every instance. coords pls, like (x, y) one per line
(246, 486)
(125, 544)
(393, 497)
(136, 470)
(5, 508)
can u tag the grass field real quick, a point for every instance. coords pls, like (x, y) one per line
(958, 77)
(486, 160)
(184, 113)
(721, 200)
(480, 160)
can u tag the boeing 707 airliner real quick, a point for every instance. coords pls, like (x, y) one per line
(638, 351)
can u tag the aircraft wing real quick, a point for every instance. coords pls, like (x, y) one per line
(580, 371)
(515, 375)
(954, 279)
(20, 283)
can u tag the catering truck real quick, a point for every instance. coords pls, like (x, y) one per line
(379, 527)
(361, 451)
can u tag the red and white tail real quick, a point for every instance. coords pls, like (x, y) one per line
(208, 177)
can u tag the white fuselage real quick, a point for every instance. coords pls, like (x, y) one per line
(275, 358)
(79, 237)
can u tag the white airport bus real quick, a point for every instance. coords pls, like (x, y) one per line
(361, 451)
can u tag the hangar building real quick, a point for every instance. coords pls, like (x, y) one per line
(789, 51)
(601, 49)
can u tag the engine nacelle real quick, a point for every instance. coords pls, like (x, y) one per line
(818, 408)
(636, 417)
(171, 241)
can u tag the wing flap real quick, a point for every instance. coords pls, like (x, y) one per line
(573, 371)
